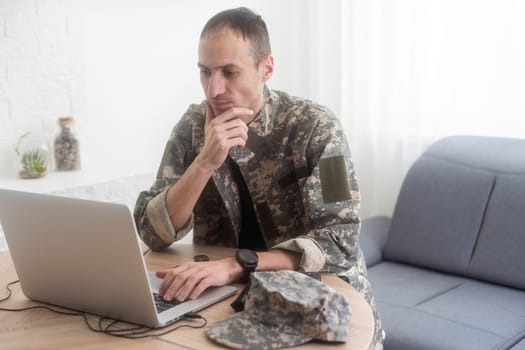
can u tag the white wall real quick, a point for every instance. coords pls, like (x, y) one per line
(127, 70)
(141, 70)
(40, 70)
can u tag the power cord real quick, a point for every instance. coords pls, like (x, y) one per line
(9, 292)
(107, 325)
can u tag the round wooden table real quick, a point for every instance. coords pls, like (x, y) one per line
(39, 329)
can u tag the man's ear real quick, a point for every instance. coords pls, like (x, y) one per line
(267, 66)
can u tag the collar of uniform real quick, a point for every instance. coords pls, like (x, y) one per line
(259, 128)
(262, 124)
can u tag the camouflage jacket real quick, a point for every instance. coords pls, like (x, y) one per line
(299, 173)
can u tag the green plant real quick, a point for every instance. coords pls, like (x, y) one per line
(33, 163)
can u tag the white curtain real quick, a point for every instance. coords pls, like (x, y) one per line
(413, 71)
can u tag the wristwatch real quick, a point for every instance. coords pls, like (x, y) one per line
(248, 260)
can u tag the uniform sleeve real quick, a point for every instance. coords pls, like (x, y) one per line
(331, 197)
(151, 216)
(312, 255)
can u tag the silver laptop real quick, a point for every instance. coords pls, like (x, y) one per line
(85, 255)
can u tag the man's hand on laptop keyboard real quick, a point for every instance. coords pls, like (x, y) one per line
(189, 280)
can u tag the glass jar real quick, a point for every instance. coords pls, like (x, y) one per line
(32, 156)
(67, 151)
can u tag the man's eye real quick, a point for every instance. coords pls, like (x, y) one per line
(205, 72)
(230, 73)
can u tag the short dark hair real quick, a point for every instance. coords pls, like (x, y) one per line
(245, 22)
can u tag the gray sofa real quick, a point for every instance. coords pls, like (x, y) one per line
(448, 269)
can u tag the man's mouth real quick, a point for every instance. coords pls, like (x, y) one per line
(221, 105)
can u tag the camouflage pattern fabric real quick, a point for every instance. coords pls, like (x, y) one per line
(294, 197)
(284, 309)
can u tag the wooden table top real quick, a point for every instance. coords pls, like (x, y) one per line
(41, 329)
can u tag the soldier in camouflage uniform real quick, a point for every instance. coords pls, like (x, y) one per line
(254, 168)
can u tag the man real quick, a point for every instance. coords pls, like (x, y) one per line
(255, 169)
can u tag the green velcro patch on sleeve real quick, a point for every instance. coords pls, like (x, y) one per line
(334, 179)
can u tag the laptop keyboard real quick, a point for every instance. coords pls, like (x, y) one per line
(163, 305)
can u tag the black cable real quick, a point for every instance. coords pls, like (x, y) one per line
(8, 290)
(41, 307)
(144, 333)
(134, 332)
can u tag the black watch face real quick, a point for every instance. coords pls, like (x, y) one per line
(248, 256)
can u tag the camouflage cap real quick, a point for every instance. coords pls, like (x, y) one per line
(284, 309)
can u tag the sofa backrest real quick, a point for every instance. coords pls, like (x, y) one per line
(461, 209)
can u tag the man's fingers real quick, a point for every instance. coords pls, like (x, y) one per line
(209, 113)
(237, 141)
(161, 274)
(192, 286)
(179, 283)
(234, 113)
(167, 280)
(199, 288)
(227, 135)
(236, 123)
(236, 131)
(189, 280)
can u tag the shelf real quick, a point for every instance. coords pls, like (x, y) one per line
(60, 180)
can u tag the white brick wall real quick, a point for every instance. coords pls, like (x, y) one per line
(41, 71)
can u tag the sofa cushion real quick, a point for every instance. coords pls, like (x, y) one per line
(423, 309)
(499, 255)
(438, 214)
(405, 285)
(418, 330)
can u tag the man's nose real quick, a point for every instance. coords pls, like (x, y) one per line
(216, 85)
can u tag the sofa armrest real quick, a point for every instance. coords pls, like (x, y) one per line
(372, 240)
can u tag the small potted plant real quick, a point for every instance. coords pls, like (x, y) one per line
(33, 165)
(32, 155)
